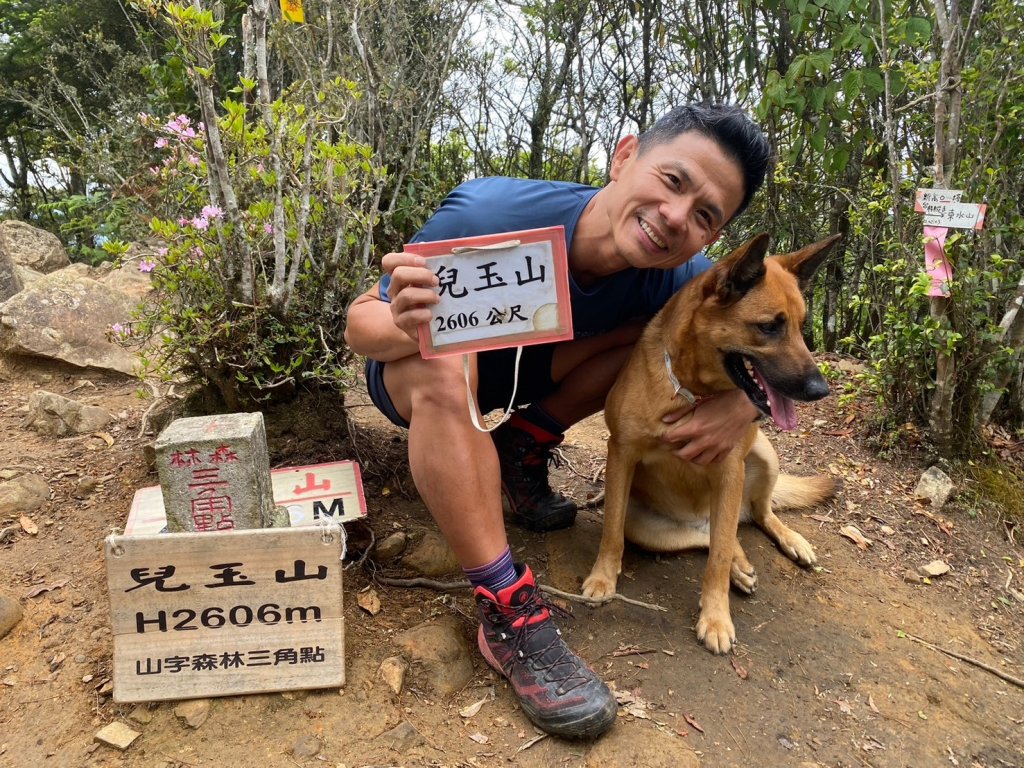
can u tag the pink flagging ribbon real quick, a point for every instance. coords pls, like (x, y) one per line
(936, 263)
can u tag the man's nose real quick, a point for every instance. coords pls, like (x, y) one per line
(677, 211)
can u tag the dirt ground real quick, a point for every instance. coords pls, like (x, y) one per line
(830, 667)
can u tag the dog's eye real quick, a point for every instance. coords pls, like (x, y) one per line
(772, 328)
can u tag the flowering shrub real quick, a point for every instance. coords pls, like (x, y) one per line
(250, 302)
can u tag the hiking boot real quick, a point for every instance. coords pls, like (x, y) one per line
(524, 480)
(556, 689)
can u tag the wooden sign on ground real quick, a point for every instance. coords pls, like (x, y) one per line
(218, 614)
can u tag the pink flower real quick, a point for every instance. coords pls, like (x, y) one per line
(183, 222)
(147, 265)
(212, 212)
(196, 251)
(268, 228)
(201, 222)
(193, 160)
(160, 143)
(161, 252)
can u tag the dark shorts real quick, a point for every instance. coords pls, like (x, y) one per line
(496, 371)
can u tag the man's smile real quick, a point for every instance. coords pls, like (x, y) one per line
(652, 234)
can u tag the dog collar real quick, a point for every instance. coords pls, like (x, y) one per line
(680, 390)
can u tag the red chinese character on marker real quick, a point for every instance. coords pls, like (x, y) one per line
(205, 508)
(223, 454)
(185, 458)
(208, 505)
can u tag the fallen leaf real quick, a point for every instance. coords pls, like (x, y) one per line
(473, 708)
(38, 590)
(821, 518)
(530, 742)
(740, 671)
(871, 704)
(369, 602)
(853, 534)
(934, 568)
(28, 526)
(692, 722)
(479, 738)
(106, 437)
(844, 707)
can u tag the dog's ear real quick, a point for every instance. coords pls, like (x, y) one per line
(742, 270)
(805, 262)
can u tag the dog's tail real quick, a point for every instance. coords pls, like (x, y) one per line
(792, 492)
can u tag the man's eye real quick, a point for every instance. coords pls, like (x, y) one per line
(672, 179)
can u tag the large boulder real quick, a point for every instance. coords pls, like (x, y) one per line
(67, 317)
(31, 247)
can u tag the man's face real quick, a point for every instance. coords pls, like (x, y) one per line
(672, 200)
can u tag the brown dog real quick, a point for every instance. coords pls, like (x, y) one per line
(738, 325)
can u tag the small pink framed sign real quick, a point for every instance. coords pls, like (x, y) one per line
(504, 290)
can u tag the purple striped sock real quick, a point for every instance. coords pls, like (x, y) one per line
(495, 575)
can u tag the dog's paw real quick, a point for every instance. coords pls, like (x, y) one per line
(798, 549)
(717, 634)
(743, 577)
(598, 586)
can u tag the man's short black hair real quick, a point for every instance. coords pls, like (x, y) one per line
(740, 138)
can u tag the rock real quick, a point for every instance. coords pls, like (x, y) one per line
(391, 547)
(57, 416)
(193, 713)
(402, 737)
(432, 556)
(141, 715)
(934, 568)
(31, 247)
(10, 614)
(11, 281)
(912, 577)
(307, 746)
(127, 279)
(86, 486)
(656, 749)
(66, 317)
(23, 494)
(28, 276)
(935, 487)
(393, 670)
(441, 654)
(117, 735)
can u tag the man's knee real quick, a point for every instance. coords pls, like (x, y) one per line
(418, 385)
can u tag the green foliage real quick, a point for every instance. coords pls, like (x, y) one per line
(248, 352)
(84, 223)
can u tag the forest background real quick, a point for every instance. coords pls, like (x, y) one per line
(274, 160)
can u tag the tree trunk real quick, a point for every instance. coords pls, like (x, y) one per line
(947, 122)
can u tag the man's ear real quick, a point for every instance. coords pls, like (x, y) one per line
(742, 270)
(628, 147)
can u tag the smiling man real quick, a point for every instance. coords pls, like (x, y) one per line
(631, 245)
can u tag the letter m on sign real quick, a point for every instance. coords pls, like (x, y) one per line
(337, 507)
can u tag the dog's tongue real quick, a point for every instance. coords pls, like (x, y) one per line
(783, 410)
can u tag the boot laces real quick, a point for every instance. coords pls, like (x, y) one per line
(540, 642)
